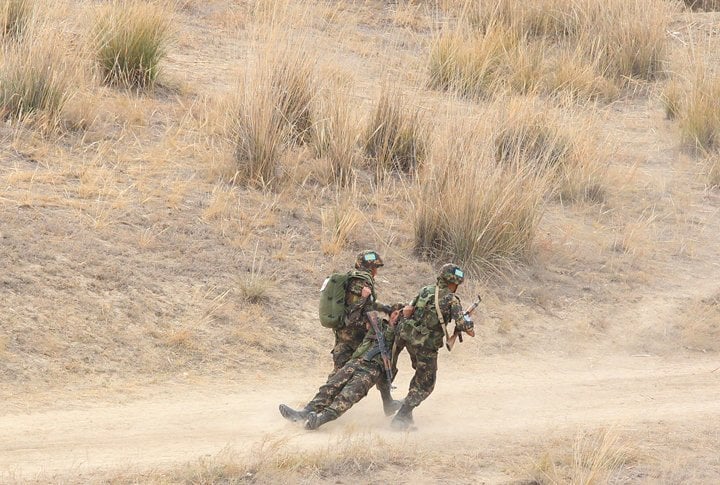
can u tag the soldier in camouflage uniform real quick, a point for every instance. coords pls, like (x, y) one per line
(421, 333)
(350, 383)
(359, 299)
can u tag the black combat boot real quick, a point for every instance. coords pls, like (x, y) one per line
(390, 405)
(315, 420)
(403, 420)
(291, 415)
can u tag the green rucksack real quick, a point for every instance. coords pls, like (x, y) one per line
(332, 297)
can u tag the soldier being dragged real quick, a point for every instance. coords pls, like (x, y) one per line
(369, 365)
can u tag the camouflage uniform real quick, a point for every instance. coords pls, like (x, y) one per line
(422, 335)
(350, 335)
(353, 381)
(348, 338)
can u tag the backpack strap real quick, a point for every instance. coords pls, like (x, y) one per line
(439, 313)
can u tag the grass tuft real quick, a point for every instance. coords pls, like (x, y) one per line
(395, 138)
(131, 39)
(673, 99)
(700, 122)
(474, 211)
(335, 138)
(275, 112)
(34, 80)
(594, 459)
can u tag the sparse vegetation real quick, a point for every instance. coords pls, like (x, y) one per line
(525, 47)
(335, 137)
(338, 224)
(700, 122)
(673, 99)
(471, 210)
(700, 325)
(275, 112)
(34, 80)
(131, 39)
(594, 460)
(396, 135)
(163, 244)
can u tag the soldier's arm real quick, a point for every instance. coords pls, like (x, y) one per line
(452, 310)
(354, 299)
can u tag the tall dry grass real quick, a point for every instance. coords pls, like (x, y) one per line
(335, 137)
(700, 120)
(472, 210)
(36, 78)
(276, 111)
(15, 17)
(523, 47)
(627, 37)
(396, 134)
(131, 38)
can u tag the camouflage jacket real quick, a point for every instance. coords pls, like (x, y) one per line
(423, 328)
(354, 329)
(369, 348)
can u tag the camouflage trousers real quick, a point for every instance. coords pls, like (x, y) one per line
(424, 362)
(346, 387)
(342, 352)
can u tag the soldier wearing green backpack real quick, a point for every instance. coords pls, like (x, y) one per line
(345, 298)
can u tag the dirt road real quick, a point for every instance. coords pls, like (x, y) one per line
(518, 398)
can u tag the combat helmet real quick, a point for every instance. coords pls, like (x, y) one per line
(451, 273)
(368, 260)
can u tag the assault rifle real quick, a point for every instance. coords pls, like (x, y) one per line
(384, 353)
(457, 334)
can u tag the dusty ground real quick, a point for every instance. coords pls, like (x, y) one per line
(129, 351)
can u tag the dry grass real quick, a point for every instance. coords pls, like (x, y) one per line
(533, 136)
(131, 39)
(585, 47)
(339, 223)
(627, 38)
(254, 285)
(708, 5)
(474, 211)
(276, 460)
(395, 136)
(700, 325)
(700, 120)
(594, 459)
(673, 99)
(713, 171)
(335, 137)
(36, 80)
(15, 16)
(275, 112)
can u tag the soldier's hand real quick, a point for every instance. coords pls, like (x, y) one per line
(393, 317)
(408, 311)
(470, 332)
(366, 292)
